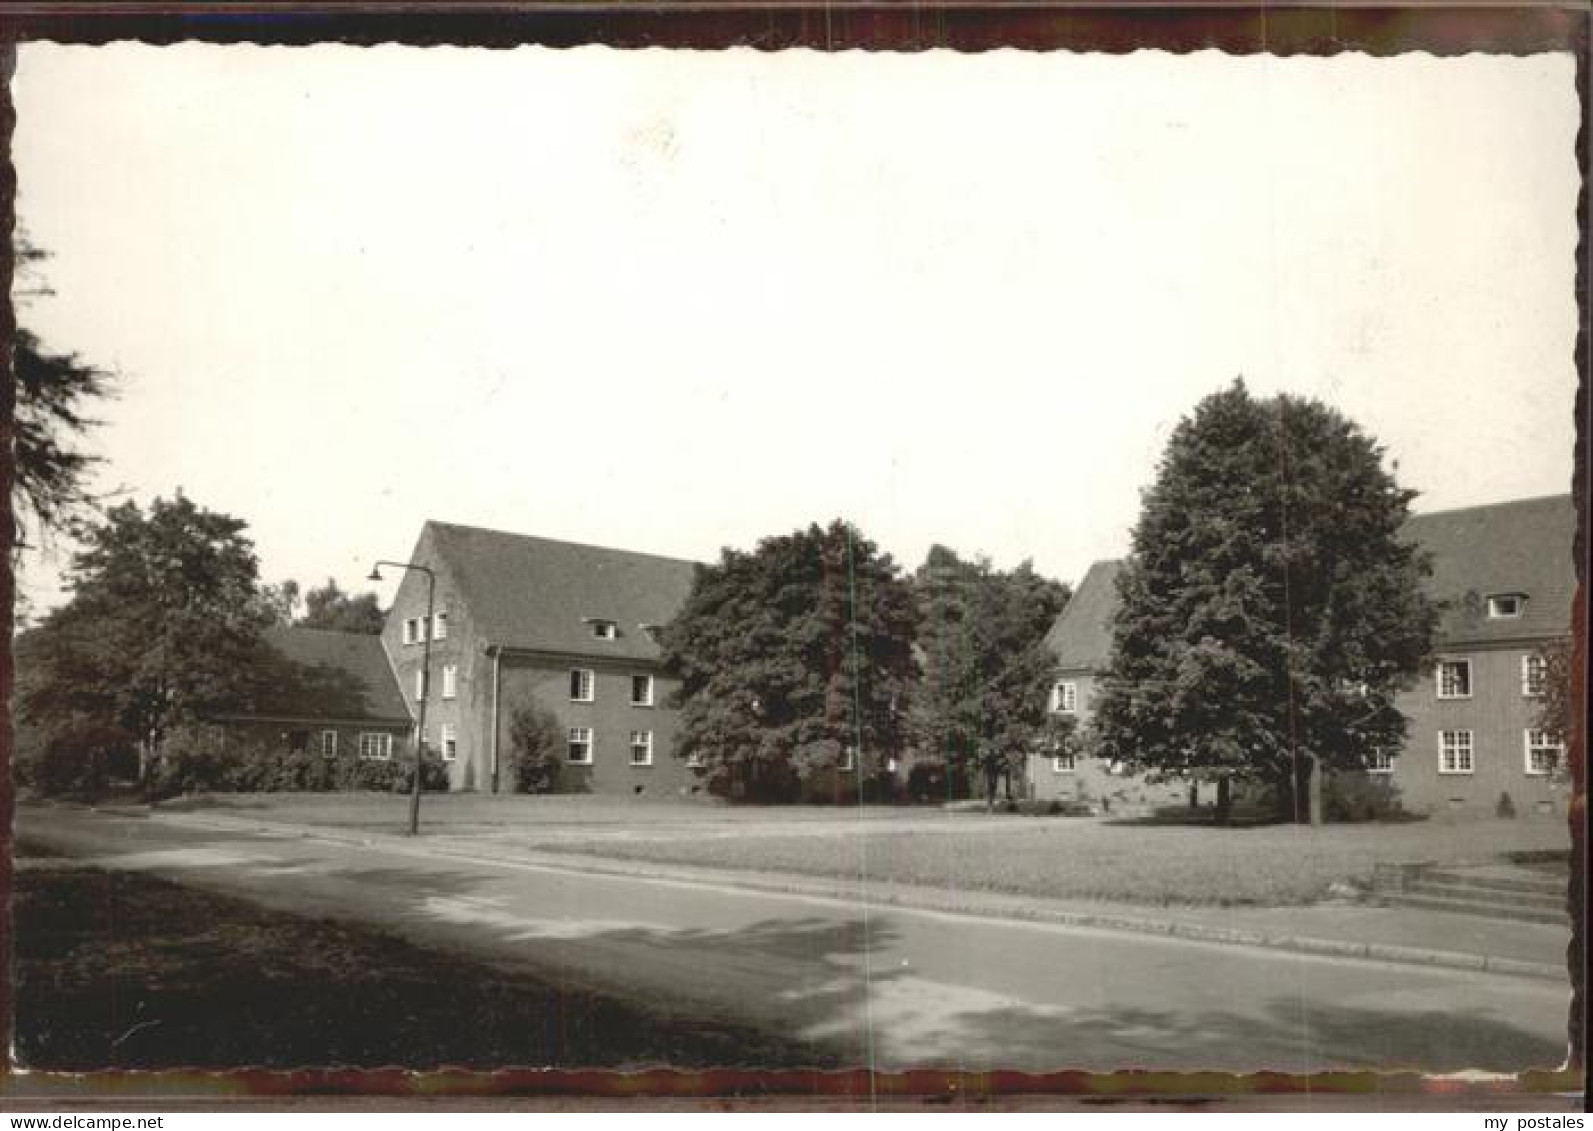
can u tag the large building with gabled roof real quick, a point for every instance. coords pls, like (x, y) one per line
(520, 620)
(322, 692)
(1504, 577)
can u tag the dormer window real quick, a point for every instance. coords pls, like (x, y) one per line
(603, 629)
(1504, 605)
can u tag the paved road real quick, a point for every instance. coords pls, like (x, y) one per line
(886, 986)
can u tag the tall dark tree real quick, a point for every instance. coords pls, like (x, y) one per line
(1271, 609)
(795, 658)
(329, 607)
(280, 602)
(981, 706)
(163, 626)
(54, 394)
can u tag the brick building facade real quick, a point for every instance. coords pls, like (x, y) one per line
(1503, 575)
(520, 621)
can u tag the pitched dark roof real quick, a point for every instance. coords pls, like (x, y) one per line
(313, 673)
(526, 592)
(1082, 634)
(1521, 547)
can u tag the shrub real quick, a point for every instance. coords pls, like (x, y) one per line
(81, 759)
(1358, 796)
(1506, 808)
(538, 743)
(195, 760)
(932, 780)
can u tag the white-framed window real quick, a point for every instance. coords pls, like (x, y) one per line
(377, 745)
(1380, 762)
(1504, 605)
(581, 746)
(849, 759)
(420, 683)
(1543, 754)
(409, 630)
(439, 625)
(1065, 697)
(450, 681)
(1454, 679)
(641, 691)
(329, 743)
(450, 742)
(1063, 762)
(641, 748)
(605, 629)
(1455, 752)
(1534, 673)
(582, 685)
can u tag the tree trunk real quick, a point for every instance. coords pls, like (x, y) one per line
(1313, 788)
(1224, 800)
(1194, 795)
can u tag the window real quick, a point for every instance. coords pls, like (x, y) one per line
(1534, 672)
(1454, 752)
(1543, 753)
(581, 745)
(329, 743)
(605, 629)
(414, 630)
(298, 742)
(409, 631)
(450, 680)
(849, 759)
(1506, 605)
(581, 685)
(374, 744)
(439, 626)
(641, 691)
(694, 761)
(641, 748)
(1380, 762)
(420, 683)
(1065, 697)
(1063, 763)
(450, 742)
(1454, 679)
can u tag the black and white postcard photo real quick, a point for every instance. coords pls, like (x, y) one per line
(834, 564)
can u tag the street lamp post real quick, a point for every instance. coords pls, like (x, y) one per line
(425, 683)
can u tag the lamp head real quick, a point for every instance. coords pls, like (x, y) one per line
(376, 574)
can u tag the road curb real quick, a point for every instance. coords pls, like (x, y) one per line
(929, 899)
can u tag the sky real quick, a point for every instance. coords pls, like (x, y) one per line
(672, 301)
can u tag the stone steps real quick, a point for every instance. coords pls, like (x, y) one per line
(1548, 887)
(1515, 895)
(1510, 913)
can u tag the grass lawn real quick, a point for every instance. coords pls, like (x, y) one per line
(120, 970)
(1104, 859)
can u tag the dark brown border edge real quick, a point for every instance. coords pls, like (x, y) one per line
(878, 26)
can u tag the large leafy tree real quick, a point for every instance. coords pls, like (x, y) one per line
(982, 704)
(794, 658)
(1271, 609)
(327, 606)
(163, 626)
